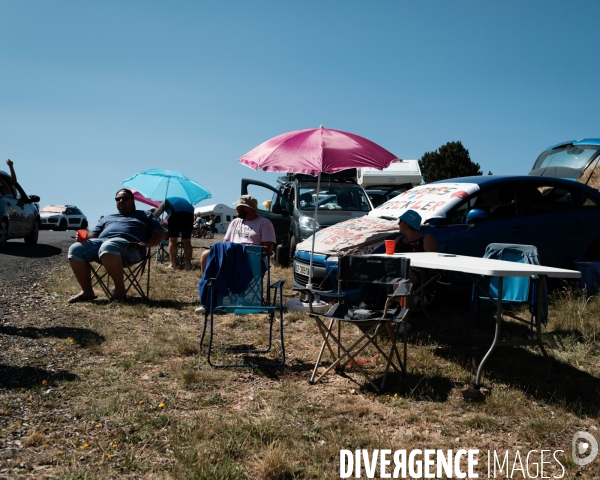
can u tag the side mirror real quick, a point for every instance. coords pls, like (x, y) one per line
(476, 215)
(34, 198)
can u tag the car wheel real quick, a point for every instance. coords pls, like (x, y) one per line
(84, 224)
(3, 234)
(32, 239)
(62, 226)
(293, 244)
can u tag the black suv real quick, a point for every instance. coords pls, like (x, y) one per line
(19, 215)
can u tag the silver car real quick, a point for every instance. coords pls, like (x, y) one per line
(19, 215)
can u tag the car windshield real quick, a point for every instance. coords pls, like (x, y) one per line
(570, 156)
(334, 197)
(53, 209)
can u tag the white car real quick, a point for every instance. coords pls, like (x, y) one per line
(62, 217)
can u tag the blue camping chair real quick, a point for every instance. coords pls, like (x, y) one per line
(233, 284)
(515, 290)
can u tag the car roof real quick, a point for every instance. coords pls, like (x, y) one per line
(490, 180)
(583, 141)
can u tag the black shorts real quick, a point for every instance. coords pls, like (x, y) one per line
(181, 223)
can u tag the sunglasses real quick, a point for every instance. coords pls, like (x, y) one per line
(122, 199)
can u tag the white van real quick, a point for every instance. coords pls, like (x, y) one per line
(398, 173)
(223, 215)
(382, 185)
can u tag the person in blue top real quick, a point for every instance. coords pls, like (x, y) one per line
(108, 242)
(181, 221)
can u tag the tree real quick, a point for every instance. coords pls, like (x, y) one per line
(449, 161)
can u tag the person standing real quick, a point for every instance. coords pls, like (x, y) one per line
(181, 221)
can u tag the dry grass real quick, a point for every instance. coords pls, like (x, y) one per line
(141, 401)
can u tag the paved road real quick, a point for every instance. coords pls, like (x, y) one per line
(21, 263)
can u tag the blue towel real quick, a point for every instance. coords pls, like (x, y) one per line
(516, 288)
(229, 267)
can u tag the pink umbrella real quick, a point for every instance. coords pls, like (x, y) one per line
(313, 152)
(140, 198)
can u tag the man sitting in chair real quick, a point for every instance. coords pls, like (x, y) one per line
(248, 229)
(108, 242)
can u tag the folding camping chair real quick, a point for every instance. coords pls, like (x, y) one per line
(247, 261)
(134, 275)
(392, 271)
(162, 252)
(515, 290)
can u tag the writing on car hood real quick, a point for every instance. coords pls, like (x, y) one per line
(430, 201)
(363, 235)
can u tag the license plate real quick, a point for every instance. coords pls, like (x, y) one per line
(301, 269)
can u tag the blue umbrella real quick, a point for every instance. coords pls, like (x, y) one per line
(158, 184)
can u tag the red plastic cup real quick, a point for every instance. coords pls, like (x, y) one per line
(82, 235)
(390, 245)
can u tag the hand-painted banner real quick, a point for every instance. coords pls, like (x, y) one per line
(364, 234)
(432, 200)
(348, 235)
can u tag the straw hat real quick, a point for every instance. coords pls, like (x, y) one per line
(247, 201)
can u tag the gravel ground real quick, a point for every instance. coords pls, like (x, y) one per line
(35, 366)
(28, 312)
(31, 322)
(21, 264)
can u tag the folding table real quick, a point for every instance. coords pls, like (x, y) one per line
(492, 268)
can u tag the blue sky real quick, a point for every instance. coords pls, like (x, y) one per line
(94, 92)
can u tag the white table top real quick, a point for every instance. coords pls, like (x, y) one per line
(482, 266)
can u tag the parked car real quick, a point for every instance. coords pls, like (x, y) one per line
(572, 159)
(560, 217)
(19, 215)
(62, 217)
(292, 205)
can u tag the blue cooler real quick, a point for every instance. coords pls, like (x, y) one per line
(590, 275)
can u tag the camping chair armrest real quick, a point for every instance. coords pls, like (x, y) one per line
(278, 284)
